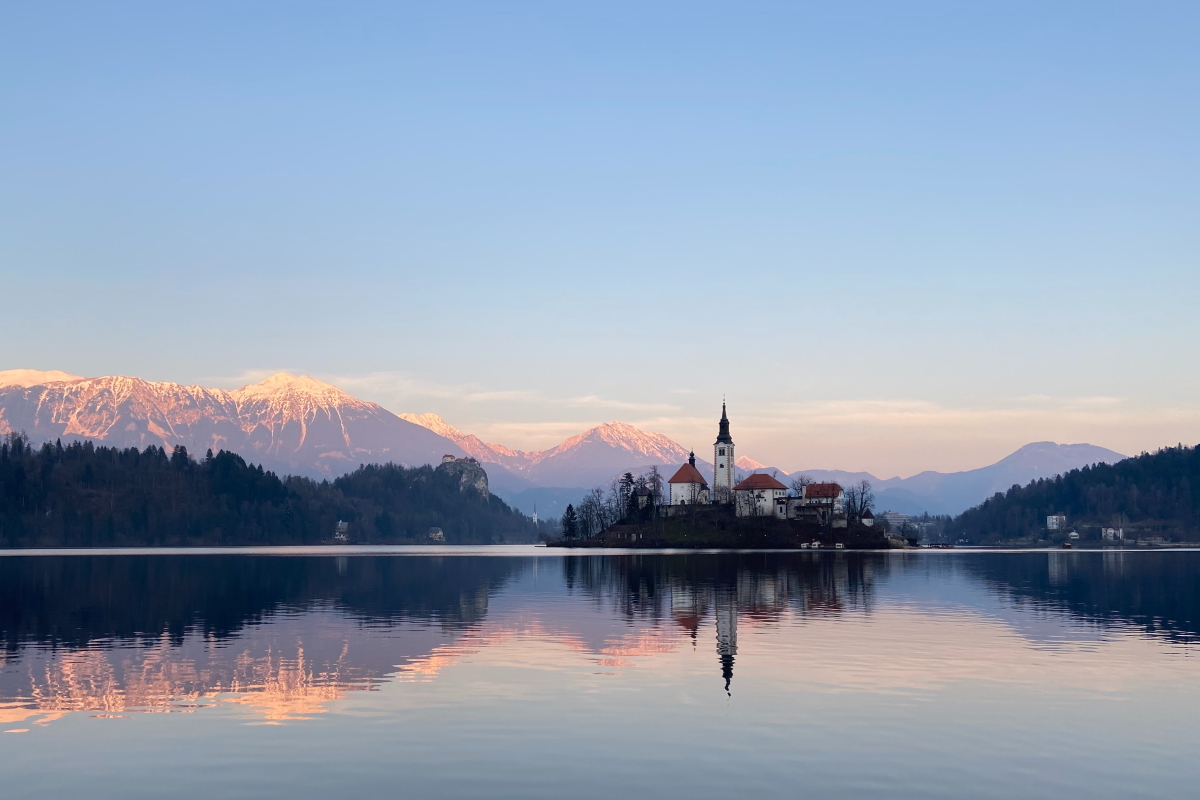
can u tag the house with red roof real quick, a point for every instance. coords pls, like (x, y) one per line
(825, 495)
(756, 496)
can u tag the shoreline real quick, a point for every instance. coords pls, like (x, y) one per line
(542, 551)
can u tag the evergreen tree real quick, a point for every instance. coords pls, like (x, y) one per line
(570, 523)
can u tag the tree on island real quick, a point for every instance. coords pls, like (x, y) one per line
(859, 499)
(655, 482)
(570, 523)
(799, 482)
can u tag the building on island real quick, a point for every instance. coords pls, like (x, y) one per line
(759, 495)
(645, 497)
(688, 486)
(723, 461)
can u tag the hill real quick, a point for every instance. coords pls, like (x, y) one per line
(1154, 494)
(80, 495)
(955, 492)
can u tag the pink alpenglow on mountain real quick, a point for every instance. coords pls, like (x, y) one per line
(486, 452)
(748, 464)
(289, 424)
(592, 457)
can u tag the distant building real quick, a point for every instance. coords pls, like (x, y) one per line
(1073, 535)
(1056, 522)
(1112, 534)
(757, 496)
(449, 459)
(895, 520)
(868, 519)
(436, 535)
(688, 486)
(341, 531)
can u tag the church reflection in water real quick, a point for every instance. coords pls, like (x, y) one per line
(286, 636)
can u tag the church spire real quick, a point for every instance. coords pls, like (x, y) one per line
(723, 436)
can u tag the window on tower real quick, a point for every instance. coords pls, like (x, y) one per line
(721, 451)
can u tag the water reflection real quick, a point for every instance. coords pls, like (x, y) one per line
(286, 637)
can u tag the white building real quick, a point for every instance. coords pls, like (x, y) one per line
(827, 495)
(723, 461)
(1056, 522)
(756, 497)
(688, 486)
(1112, 534)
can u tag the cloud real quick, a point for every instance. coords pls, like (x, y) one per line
(595, 401)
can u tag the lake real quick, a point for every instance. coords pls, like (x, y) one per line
(521, 672)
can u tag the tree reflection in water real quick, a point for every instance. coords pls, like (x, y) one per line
(287, 635)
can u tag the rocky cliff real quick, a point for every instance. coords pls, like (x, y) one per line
(469, 474)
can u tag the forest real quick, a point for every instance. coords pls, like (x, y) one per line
(82, 495)
(1151, 495)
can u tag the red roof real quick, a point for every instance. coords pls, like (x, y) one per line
(759, 480)
(688, 474)
(822, 490)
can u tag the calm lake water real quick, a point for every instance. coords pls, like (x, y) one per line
(526, 673)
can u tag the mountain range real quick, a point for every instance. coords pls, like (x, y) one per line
(303, 426)
(289, 424)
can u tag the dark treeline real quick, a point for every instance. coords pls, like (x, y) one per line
(1154, 494)
(80, 495)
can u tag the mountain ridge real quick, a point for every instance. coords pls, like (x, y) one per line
(289, 423)
(301, 425)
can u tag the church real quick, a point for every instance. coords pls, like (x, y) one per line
(758, 495)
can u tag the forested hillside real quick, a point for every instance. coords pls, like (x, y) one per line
(1154, 494)
(81, 495)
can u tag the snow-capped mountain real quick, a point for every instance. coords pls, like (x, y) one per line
(485, 452)
(289, 424)
(593, 457)
(748, 464)
(599, 453)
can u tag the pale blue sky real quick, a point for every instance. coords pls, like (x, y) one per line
(897, 235)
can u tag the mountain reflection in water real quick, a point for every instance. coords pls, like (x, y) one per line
(285, 636)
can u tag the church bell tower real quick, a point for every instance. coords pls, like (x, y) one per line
(723, 462)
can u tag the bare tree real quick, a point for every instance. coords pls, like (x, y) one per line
(655, 482)
(866, 498)
(591, 513)
(859, 498)
(799, 482)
